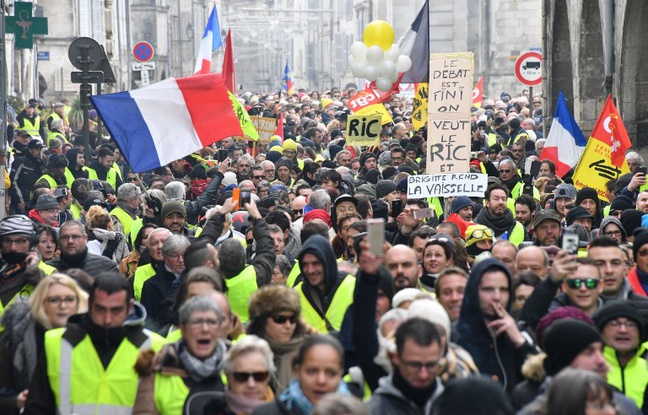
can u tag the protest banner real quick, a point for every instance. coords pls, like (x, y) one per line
(265, 126)
(420, 107)
(449, 102)
(452, 184)
(367, 102)
(376, 110)
(363, 130)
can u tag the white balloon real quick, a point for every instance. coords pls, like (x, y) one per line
(392, 53)
(403, 64)
(394, 77)
(358, 69)
(383, 84)
(351, 60)
(371, 72)
(387, 68)
(375, 55)
(359, 51)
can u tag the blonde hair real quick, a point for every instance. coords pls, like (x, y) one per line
(98, 217)
(39, 296)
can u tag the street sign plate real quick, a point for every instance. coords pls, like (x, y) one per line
(93, 77)
(144, 66)
(143, 52)
(528, 68)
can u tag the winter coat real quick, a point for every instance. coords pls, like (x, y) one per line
(388, 400)
(24, 173)
(274, 408)
(92, 264)
(110, 244)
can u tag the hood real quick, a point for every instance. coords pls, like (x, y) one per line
(611, 219)
(322, 249)
(137, 317)
(103, 234)
(71, 156)
(470, 306)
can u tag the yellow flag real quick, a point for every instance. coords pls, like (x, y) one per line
(420, 110)
(595, 168)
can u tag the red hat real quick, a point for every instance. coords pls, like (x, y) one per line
(318, 214)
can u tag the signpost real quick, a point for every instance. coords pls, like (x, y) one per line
(143, 52)
(528, 70)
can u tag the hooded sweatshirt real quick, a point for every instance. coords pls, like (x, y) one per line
(495, 357)
(611, 219)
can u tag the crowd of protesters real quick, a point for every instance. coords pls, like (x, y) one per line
(242, 279)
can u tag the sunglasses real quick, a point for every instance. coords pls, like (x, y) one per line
(480, 233)
(283, 319)
(575, 283)
(505, 171)
(258, 177)
(242, 377)
(298, 211)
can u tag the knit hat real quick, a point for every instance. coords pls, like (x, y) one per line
(289, 145)
(402, 185)
(367, 190)
(372, 176)
(586, 193)
(46, 202)
(565, 190)
(578, 212)
(273, 156)
(385, 158)
(473, 234)
(366, 156)
(406, 294)
(621, 203)
(173, 206)
(640, 240)
(559, 314)
(334, 149)
(564, 340)
(616, 309)
(318, 214)
(631, 221)
(384, 187)
(459, 203)
(57, 161)
(229, 179)
(430, 310)
(474, 395)
(272, 299)
(284, 162)
(335, 134)
(17, 225)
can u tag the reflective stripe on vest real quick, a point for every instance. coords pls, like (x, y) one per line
(80, 383)
(239, 290)
(50, 180)
(342, 299)
(142, 274)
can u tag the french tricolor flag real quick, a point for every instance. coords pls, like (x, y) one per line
(171, 119)
(211, 41)
(565, 142)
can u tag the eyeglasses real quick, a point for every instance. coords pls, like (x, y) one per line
(613, 233)
(575, 283)
(417, 366)
(282, 319)
(8, 242)
(480, 233)
(197, 324)
(505, 171)
(57, 301)
(242, 377)
(258, 177)
(628, 324)
(70, 237)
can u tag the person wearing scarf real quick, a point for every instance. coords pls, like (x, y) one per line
(496, 214)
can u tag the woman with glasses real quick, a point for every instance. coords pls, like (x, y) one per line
(54, 300)
(184, 376)
(317, 368)
(275, 316)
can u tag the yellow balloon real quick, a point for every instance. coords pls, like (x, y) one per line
(379, 33)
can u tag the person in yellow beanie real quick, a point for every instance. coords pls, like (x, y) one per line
(289, 150)
(479, 239)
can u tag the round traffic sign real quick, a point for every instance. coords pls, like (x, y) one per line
(528, 68)
(143, 52)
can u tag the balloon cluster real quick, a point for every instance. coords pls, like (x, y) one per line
(377, 58)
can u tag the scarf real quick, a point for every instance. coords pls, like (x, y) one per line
(198, 186)
(283, 356)
(499, 224)
(33, 215)
(200, 370)
(417, 395)
(293, 397)
(242, 405)
(510, 184)
(76, 260)
(9, 270)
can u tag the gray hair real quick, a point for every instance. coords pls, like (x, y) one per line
(157, 193)
(540, 141)
(320, 199)
(175, 244)
(633, 155)
(196, 305)
(128, 191)
(284, 264)
(342, 153)
(267, 163)
(158, 230)
(249, 344)
(58, 123)
(175, 190)
(507, 161)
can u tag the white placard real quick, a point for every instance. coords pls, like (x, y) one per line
(451, 184)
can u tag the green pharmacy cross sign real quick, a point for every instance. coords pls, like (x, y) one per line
(24, 25)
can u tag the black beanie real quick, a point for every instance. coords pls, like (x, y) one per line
(514, 123)
(475, 395)
(372, 176)
(386, 284)
(564, 340)
(198, 172)
(586, 193)
(631, 221)
(616, 309)
(622, 203)
(366, 156)
(640, 240)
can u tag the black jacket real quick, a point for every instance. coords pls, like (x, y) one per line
(24, 173)
(91, 263)
(206, 198)
(154, 291)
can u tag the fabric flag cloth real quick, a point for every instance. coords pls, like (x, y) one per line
(286, 80)
(171, 119)
(279, 131)
(420, 107)
(565, 142)
(415, 43)
(228, 64)
(211, 41)
(604, 156)
(478, 93)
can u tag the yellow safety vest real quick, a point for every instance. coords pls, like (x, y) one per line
(169, 394)
(517, 235)
(342, 299)
(47, 269)
(239, 290)
(69, 177)
(56, 134)
(111, 178)
(115, 167)
(135, 228)
(80, 383)
(75, 210)
(633, 378)
(295, 272)
(124, 218)
(50, 180)
(32, 129)
(142, 274)
(22, 295)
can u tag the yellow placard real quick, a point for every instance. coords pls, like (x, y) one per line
(420, 108)
(266, 127)
(363, 130)
(595, 168)
(376, 109)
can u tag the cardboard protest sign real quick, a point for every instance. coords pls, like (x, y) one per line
(449, 102)
(363, 130)
(453, 184)
(265, 126)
